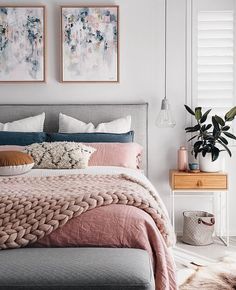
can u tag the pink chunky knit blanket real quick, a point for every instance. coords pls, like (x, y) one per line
(33, 207)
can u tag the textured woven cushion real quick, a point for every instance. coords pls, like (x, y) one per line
(60, 155)
(15, 162)
(76, 268)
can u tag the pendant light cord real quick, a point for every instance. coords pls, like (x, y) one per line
(165, 41)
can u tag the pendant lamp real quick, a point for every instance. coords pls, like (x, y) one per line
(165, 118)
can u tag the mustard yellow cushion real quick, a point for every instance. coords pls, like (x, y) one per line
(15, 162)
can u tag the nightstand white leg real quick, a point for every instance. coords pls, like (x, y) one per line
(227, 217)
(221, 215)
(172, 198)
(224, 219)
(214, 199)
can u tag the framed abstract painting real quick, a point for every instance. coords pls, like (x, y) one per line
(22, 43)
(90, 43)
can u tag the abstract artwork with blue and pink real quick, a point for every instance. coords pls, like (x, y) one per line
(90, 44)
(22, 44)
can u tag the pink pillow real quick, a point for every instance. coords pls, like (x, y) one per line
(11, 148)
(108, 154)
(116, 154)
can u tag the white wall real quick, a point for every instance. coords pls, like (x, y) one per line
(142, 77)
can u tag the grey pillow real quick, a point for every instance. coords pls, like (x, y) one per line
(60, 155)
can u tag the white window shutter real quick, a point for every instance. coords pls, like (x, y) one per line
(215, 61)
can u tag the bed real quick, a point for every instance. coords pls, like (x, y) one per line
(112, 223)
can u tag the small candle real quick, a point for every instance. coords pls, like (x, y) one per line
(193, 166)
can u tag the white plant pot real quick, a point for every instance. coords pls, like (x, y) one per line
(207, 165)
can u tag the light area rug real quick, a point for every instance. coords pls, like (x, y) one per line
(219, 275)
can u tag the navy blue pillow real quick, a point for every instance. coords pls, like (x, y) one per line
(21, 138)
(91, 137)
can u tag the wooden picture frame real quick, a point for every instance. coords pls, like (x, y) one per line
(90, 44)
(22, 44)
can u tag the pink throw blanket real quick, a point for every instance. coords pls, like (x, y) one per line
(118, 226)
(32, 208)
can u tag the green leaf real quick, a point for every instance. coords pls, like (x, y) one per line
(208, 126)
(192, 129)
(206, 149)
(198, 113)
(226, 148)
(229, 116)
(223, 140)
(204, 116)
(215, 124)
(215, 153)
(197, 152)
(209, 137)
(229, 135)
(197, 144)
(225, 128)
(192, 138)
(188, 128)
(216, 133)
(197, 147)
(219, 120)
(189, 110)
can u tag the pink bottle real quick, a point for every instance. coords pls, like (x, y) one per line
(182, 159)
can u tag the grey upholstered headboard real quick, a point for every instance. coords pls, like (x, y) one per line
(95, 113)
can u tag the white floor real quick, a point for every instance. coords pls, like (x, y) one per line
(185, 254)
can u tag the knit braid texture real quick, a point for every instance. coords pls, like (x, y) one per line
(32, 207)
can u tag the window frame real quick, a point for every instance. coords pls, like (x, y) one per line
(190, 62)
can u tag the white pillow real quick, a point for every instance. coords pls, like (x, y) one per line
(71, 125)
(31, 124)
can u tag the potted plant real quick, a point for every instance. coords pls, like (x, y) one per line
(210, 138)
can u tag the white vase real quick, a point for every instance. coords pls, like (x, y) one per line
(207, 165)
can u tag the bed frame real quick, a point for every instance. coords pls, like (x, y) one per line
(95, 113)
(76, 268)
(112, 268)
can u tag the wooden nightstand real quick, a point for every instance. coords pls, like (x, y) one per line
(203, 184)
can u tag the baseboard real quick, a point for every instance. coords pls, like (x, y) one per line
(232, 234)
(187, 258)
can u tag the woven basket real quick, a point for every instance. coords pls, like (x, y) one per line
(198, 228)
